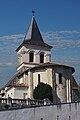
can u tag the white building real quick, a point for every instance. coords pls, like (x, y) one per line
(35, 66)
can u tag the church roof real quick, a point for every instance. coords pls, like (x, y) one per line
(49, 64)
(33, 36)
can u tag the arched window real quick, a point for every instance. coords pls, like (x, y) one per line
(41, 58)
(31, 57)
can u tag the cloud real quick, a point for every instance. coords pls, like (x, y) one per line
(11, 37)
(6, 64)
(63, 39)
(69, 32)
(8, 56)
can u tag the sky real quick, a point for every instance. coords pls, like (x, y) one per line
(58, 21)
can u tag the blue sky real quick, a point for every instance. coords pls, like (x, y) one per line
(58, 21)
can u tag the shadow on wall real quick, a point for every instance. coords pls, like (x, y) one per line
(56, 99)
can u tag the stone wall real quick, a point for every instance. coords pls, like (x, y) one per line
(70, 111)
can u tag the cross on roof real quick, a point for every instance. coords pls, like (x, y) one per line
(33, 12)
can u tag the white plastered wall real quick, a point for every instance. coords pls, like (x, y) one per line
(45, 76)
(64, 90)
(23, 54)
(16, 92)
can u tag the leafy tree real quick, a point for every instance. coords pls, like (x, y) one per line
(43, 91)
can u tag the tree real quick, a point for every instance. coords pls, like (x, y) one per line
(43, 91)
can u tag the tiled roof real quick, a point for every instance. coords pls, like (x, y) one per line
(51, 64)
(33, 36)
(20, 85)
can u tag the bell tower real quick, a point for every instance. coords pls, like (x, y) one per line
(33, 50)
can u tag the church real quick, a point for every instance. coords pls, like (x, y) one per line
(35, 66)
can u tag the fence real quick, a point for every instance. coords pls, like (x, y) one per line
(10, 101)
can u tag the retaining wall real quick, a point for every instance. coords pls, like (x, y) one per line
(69, 111)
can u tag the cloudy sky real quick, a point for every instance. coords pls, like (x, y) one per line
(58, 21)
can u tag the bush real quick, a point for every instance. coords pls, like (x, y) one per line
(43, 91)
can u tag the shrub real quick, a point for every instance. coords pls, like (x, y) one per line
(43, 91)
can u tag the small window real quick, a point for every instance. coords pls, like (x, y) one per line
(57, 117)
(41, 118)
(38, 78)
(60, 78)
(31, 57)
(69, 117)
(41, 58)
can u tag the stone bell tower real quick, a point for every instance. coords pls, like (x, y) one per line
(33, 50)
